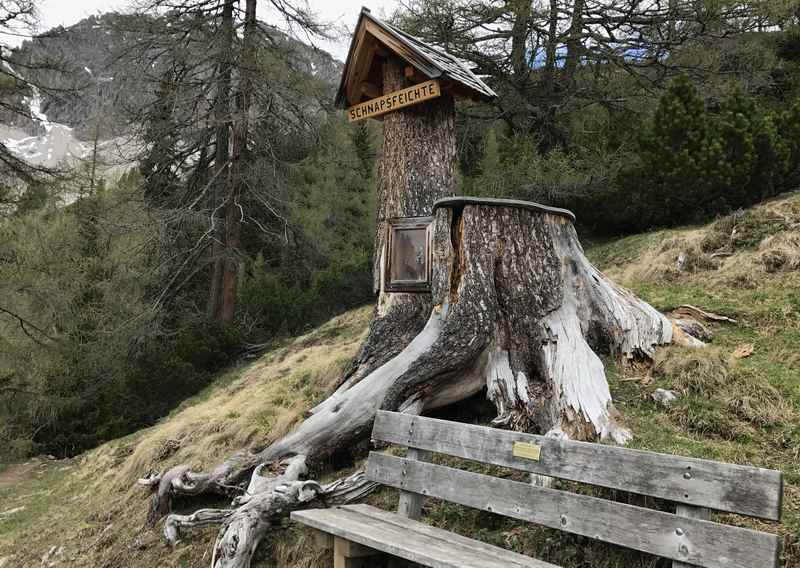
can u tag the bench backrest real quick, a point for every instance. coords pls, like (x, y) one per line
(694, 485)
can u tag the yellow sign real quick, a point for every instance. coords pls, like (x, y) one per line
(527, 451)
(393, 101)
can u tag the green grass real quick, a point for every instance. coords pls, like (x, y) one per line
(743, 411)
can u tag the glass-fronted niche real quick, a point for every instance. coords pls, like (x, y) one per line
(407, 264)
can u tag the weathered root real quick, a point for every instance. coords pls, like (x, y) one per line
(268, 499)
(343, 418)
(398, 318)
(199, 518)
(180, 480)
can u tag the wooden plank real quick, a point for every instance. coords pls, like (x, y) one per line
(400, 49)
(410, 504)
(702, 483)
(462, 542)
(692, 513)
(395, 100)
(412, 540)
(697, 542)
(358, 68)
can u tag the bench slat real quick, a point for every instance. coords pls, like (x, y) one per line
(412, 540)
(693, 541)
(463, 542)
(733, 488)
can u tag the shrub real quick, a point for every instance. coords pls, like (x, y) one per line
(696, 161)
(781, 252)
(742, 230)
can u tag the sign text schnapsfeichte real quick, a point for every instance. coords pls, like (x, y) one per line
(393, 101)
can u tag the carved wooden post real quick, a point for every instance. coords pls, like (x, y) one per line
(413, 88)
(417, 168)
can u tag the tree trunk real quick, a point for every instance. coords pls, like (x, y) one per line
(574, 41)
(221, 158)
(551, 48)
(417, 168)
(517, 308)
(233, 208)
(520, 31)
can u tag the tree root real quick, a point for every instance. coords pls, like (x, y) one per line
(268, 499)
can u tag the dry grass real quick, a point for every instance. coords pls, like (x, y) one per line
(781, 252)
(254, 406)
(719, 397)
(692, 370)
(733, 249)
(93, 508)
(733, 410)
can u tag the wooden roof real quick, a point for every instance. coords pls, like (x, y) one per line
(375, 40)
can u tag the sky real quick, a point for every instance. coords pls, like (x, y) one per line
(341, 13)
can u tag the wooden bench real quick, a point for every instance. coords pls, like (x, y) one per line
(360, 533)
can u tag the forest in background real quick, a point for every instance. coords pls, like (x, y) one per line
(111, 305)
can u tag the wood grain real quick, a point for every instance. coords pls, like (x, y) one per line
(410, 504)
(411, 540)
(394, 101)
(701, 483)
(693, 541)
(693, 513)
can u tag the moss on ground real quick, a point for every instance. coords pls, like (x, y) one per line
(735, 410)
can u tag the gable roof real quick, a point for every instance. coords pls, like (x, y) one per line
(429, 61)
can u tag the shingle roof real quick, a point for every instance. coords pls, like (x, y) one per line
(441, 64)
(450, 65)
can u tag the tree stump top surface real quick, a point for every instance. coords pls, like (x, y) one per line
(461, 201)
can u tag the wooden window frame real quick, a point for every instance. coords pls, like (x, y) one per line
(406, 223)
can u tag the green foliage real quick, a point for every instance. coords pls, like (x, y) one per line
(97, 398)
(93, 360)
(325, 265)
(681, 151)
(512, 166)
(161, 135)
(696, 162)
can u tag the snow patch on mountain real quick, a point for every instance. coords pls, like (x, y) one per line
(49, 149)
(58, 145)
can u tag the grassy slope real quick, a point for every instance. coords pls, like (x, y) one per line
(741, 411)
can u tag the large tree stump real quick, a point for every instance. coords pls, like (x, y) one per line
(521, 301)
(516, 307)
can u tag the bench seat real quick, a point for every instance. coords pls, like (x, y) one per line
(405, 538)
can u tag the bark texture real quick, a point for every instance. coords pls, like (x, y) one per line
(417, 169)
(233, 208)
(222, 105)
(517, 308)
